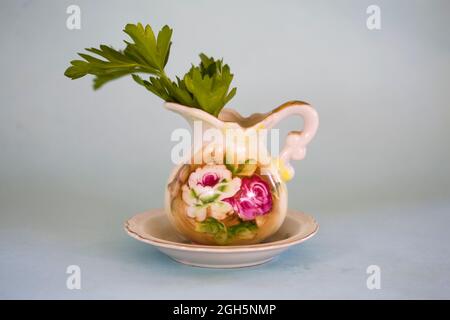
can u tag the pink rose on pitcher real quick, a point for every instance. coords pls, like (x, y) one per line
(253, 199)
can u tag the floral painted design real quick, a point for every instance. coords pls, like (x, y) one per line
(205, 190)
(253, 199)
(226, 200)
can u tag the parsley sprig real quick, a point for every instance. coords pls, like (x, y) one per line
(205, 86)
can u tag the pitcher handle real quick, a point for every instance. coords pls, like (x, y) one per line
(296, 141)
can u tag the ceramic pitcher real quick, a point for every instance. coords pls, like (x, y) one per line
(240, 199)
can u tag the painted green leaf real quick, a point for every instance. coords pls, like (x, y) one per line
(224, 235)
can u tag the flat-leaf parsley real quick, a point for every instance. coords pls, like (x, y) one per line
(205, 86)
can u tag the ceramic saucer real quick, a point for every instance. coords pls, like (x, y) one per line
(153, 227)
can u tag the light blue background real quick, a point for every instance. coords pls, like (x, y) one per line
(74, 164)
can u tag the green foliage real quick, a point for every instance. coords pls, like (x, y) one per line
(224, 235)
(145, 54)
(206, 86)
(245, 169)
(243, 230)
(209, 83)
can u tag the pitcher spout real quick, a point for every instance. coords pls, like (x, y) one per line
(193, 114)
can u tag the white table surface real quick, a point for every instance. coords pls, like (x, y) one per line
(57, 228)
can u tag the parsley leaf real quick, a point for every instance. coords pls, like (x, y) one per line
(206, 86)
(209, 84)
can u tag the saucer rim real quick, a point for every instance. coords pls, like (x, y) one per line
(280, 244)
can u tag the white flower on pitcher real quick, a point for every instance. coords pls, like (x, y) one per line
(205, 190)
